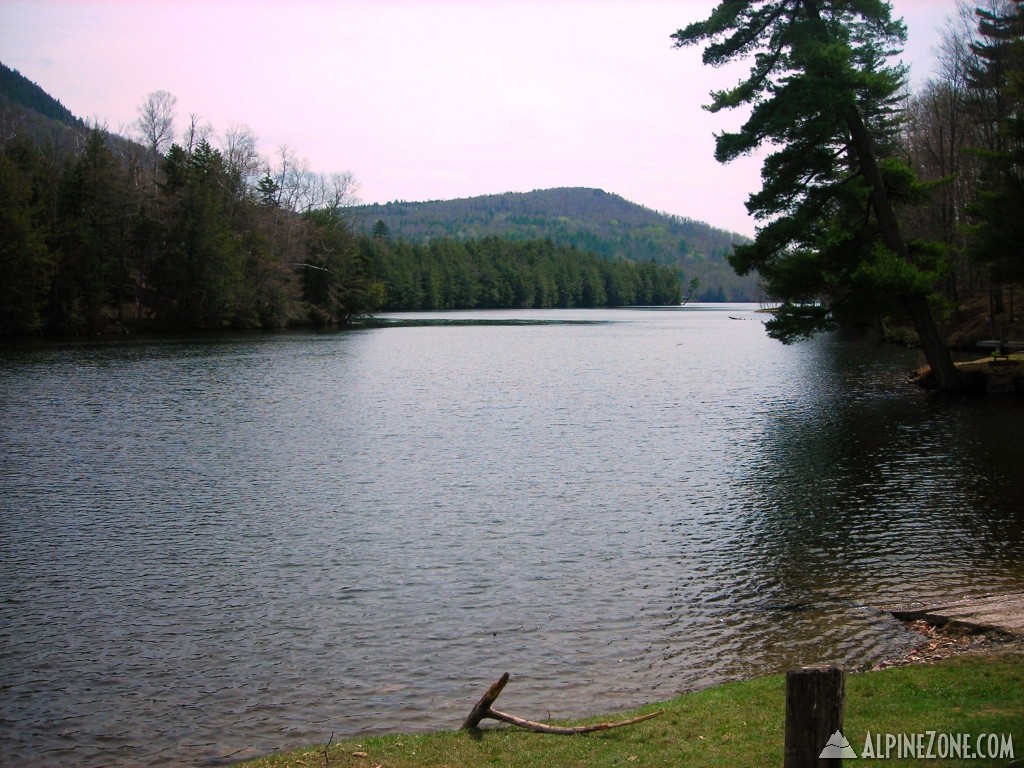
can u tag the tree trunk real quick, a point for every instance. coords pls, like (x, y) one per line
(483, 706)
(483, 710)
(945, 372)
(947, 377)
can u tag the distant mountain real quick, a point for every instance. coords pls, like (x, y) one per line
(589, 219)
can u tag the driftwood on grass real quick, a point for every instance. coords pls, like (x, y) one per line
(483, 710)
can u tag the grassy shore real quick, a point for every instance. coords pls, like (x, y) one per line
(738, 724)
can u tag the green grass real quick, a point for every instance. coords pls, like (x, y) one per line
(738, 724)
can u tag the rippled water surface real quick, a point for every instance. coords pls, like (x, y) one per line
(219, 547)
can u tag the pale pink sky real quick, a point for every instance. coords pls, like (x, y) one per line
(425, 99)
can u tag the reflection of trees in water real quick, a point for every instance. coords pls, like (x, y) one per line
(867, 488)
(855, 489)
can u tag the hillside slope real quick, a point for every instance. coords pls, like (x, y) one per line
(27, 110)
(20, 90)
(589, 219)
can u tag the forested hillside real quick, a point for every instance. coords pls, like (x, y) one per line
(102, 233)
(17, 89)
(589, 219)
(28, 112)
(107, 233)
(502, 273)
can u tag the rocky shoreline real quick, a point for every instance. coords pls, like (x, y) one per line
(939, 642)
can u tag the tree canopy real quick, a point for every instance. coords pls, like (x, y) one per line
(500, 273)
(997, 228)
(591, 220)
(97, 240)
(821, 96)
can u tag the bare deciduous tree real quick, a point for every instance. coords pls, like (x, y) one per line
(949, 118)
(156, 123)
(343, 189)
(241, 154)
(196, 133)
(11, 124)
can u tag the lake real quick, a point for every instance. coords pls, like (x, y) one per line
(215, 547)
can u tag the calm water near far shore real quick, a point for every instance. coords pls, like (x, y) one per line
(222, 546)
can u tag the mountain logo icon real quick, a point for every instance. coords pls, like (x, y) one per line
(837, 747)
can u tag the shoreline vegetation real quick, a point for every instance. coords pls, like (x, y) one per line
(954, 681)
(984, 375)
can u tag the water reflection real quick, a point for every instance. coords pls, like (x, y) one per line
(221, 547)
(867, 494)
(863, 471)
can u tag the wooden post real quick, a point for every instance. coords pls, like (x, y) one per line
(814, 712)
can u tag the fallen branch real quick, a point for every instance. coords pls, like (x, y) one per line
(483, 707)
(483, 710)
(530, 725)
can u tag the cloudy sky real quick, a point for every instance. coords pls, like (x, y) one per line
(424, 99)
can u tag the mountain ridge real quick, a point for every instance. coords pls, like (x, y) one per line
(586, 218)
(26, 109)
(18, 89)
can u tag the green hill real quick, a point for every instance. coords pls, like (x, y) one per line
(589, 219)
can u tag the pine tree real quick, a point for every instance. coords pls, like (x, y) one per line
(25, 261)
(821, 96)
(337, 277)
(997, 227)
(94, 224)
(381, 231)
(199, 279)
